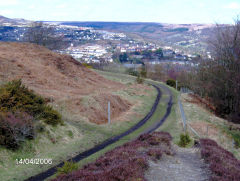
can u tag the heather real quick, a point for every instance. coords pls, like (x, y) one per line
(126, 162)
(20, 113)
(222, 163)
(15, 128)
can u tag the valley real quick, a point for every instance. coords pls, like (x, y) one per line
(119, 101)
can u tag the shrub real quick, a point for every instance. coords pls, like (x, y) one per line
(235, 133)
(51, 116)
(132, 71)
(16, 97)
(87, 65)
(40, 127)
(184, 140)
(171, 83)
(237, 142)
(143, 72)
(139, 79)
(68, 167)
(14, 128)
(70, 134)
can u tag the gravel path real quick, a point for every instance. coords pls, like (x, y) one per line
(186, 165)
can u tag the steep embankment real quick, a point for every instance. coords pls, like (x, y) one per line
(59, 78)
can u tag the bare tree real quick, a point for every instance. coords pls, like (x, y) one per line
(45, 35)
(219, 77)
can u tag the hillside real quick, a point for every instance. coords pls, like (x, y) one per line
(59, 78)
(5, 20)
(190, 38)
(80, 96)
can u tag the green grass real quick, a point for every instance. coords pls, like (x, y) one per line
(224, 136)
(78, 135)
(74, 137)
(170, 125)
(235, 134)
(173, 123)
(40, 147)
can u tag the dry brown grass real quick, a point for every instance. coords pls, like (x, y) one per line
(61, 78)
(207, 124)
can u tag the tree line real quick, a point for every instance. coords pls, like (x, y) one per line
(218, 78)
(131, 57)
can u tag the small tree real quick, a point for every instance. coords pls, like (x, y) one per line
(123, 57)
(159, 53)
(171, 83)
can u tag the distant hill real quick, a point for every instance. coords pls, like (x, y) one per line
(4, 19)
(119, 26)
(140, 26)
(188, 37)
(7, 21)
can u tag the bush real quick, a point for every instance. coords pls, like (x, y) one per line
(237, 142)
(51, 116)
(184, 140)
(87, 65)
(132, 71)
(139, 79)
(40, 127)
(143, 72)
(16, 97)
(14, 128)
(70, 134)
(171, 83)
(68, 167)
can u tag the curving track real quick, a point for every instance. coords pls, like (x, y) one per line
(85, 154)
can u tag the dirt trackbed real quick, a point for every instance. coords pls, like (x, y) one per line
(114, 139)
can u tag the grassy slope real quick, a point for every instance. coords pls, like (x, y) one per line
(221, 134)
(77, 136)
(173, 122)
(171, 125)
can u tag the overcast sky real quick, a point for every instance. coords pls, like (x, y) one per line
(164, 11)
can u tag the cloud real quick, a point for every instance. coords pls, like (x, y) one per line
(233, 5)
